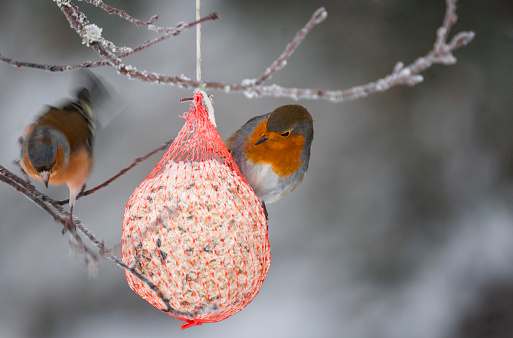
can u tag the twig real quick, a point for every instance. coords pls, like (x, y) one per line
(46, 203)
(122, 13)
(90, 33)
(92, 64)
(149, 24)
(450, 18)
(121, 173)
(319, 16)
(28, 191)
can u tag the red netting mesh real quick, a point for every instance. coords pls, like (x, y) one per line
(196, 229)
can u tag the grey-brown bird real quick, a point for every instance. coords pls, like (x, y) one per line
(58, 147)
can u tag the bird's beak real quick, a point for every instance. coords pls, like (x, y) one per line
(262, 140)
(45, 176)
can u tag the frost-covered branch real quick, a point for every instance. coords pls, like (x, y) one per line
(91, 256)
(401, 74)
(123, 14)
(170, 32)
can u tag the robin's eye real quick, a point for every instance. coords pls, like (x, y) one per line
(287, 133)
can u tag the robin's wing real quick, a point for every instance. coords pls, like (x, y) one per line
(229, 141)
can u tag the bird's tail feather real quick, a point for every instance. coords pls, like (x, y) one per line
(102, 98)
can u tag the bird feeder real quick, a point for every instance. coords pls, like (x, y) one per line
(196, 229)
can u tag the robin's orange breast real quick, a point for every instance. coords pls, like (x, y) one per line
(282, 153)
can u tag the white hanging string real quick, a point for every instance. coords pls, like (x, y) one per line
(198, 42)
(206, 100)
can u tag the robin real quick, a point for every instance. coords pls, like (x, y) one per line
(272, 151)
(58, 148)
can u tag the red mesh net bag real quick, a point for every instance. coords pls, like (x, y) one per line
(196, 230)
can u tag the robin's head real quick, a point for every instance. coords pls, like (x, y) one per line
(47, 150)
(288, 125)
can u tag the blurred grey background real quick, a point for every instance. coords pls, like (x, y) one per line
(403, 226)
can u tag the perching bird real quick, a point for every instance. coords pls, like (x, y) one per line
(58, 148)
(272, 151)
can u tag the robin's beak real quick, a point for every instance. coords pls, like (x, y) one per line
(45, 176)
(262, 140)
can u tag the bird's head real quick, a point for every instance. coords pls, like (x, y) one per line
(47, 150)
(287, 126)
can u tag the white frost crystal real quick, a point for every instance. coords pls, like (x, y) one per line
(91, 33)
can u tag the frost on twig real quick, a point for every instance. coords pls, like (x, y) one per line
(122, 14)
(91, 34)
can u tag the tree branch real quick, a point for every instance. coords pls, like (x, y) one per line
(401, 75)
(91, 257)
(170, 32)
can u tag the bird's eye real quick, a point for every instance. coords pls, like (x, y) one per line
(287, 133)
